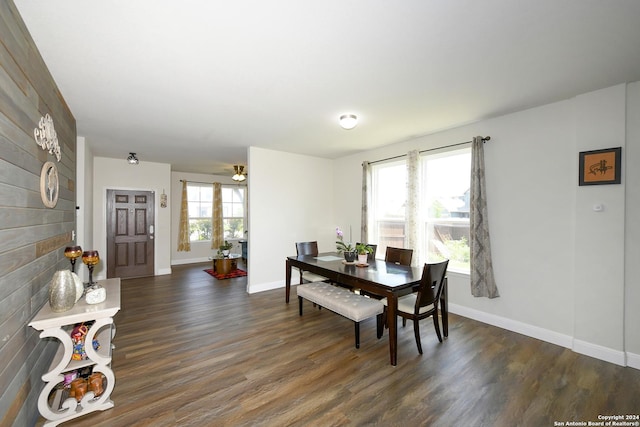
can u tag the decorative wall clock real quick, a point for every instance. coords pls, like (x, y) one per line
(49, 186)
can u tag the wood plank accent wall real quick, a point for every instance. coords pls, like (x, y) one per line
(32, 237)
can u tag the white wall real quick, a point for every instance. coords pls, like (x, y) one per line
(200, 251)
(631, 175)
(147, 176)
(291, 200)
(559, 265)
(600, 119)
(84, 200)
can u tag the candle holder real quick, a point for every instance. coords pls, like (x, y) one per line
(72, 253)
(90, 258)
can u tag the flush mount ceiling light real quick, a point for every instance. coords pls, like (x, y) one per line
(132, 159)
(239, 173)
(348, 121)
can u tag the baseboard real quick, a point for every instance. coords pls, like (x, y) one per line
(599, 352)
(588, 349)
(163, 271)
(189, 261)
(633, 360)
(513, 325)
(266, 287)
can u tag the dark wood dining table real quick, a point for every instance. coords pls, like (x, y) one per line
(378, 278)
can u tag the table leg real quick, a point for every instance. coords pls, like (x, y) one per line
(444, 309)
(287, 281)
(392, 322)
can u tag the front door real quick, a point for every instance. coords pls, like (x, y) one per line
(130, 233)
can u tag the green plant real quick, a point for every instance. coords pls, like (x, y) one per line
(226, 246)
(363, 249)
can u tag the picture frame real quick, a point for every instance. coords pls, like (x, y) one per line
(598, 167)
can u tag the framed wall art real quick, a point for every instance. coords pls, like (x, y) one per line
(599, 167)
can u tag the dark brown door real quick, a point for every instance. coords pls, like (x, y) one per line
(130, 233)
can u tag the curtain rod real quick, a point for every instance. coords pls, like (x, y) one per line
(484, 139)
(201, 182)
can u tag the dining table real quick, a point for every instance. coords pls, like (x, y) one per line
(377, 278)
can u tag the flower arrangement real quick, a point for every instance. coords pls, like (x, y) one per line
(341, 246)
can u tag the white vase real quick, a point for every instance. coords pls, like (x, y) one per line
(362, 258)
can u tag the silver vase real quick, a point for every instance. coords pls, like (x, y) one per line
(62, 291)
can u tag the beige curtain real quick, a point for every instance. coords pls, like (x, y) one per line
(483, 283)
(184, 244)
(366, 202)
(217, 231)
(412, 213)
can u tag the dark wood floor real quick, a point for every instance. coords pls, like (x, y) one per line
(195, 351)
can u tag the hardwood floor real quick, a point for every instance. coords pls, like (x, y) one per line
(195, 351)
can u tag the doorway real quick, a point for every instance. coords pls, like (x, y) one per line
(130, 233)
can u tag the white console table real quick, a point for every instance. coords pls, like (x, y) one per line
(59, 326)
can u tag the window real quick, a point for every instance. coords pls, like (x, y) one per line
(389, 196)
(233, 212)
(444, 207)
(200, 200)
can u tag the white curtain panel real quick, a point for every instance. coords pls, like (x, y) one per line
(412, 212)
(366, 202)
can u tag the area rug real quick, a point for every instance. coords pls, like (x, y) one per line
(231, 275)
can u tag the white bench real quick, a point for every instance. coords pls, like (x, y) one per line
(341, 301)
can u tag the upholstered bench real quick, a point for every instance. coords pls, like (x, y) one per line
(341, 301)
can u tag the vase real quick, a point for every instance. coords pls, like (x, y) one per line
(225, 252)
(350, 256)
(62, 291)
(362, 258)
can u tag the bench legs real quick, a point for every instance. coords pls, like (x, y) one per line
(357, 324)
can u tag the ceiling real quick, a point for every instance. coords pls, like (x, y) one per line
(194, 83)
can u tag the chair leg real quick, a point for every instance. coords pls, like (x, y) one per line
(436, 324)
(416, 331)
(404, 322)
(357, 334)
(380, 321)
(300, 305)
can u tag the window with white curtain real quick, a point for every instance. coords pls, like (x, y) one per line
(200, 200)
(444, 207)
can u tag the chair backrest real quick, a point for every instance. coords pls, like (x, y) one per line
(398, 255)
(371, 256)
(431, 284)
(307, 248)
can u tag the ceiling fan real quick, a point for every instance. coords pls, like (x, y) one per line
(239, 175)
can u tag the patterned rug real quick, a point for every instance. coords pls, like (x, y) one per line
(231, 275)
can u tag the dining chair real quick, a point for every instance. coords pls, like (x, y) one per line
(424, 303)
(308, 248)
(398, 255)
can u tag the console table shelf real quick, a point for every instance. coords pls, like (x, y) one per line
(59, 326)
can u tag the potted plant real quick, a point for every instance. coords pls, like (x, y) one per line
(345, 248)
(363, 251)
(225, 248)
